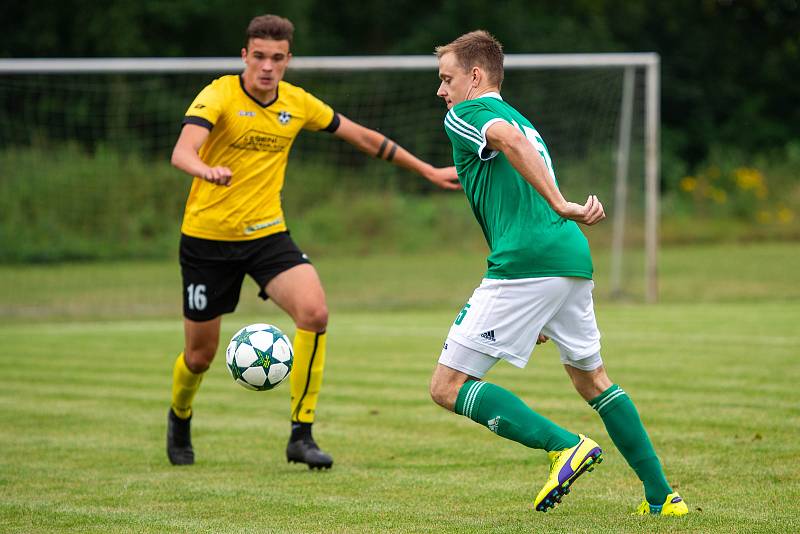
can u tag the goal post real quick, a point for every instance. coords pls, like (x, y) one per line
(625, 98)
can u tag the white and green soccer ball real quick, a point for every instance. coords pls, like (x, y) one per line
(259, 357)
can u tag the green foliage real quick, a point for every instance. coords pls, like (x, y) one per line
(763, 191)
(75, 205)
(71, 205)
(372, 222)
(113, 204)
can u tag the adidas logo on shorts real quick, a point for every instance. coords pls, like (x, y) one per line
(488, 336)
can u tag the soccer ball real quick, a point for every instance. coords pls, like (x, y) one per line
(259, 357)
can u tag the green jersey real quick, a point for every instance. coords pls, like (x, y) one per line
(526, 238)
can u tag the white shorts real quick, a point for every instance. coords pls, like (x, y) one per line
(503, 319)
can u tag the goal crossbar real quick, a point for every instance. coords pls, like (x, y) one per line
(316, 63)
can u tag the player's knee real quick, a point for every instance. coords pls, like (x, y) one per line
(590, 379)
(600, 379)
(199, 359)
(313, 318)
(442, 394)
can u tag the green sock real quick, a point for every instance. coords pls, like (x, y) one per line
(627, 432)
(506, 415)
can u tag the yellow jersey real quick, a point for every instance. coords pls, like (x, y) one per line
(253, 140)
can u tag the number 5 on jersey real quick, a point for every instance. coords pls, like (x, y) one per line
(462, 314)
(538, 143)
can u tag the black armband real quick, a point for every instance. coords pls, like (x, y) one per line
(199, 121)
(390, 156)
(382, 148)
(334, 125)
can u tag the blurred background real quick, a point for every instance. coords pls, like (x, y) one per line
(89, 204)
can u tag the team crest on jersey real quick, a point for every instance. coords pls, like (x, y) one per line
(284, 117)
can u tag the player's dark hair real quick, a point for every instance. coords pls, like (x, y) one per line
(269, 27)
(477, 49)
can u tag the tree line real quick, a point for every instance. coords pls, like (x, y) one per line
(730, 68)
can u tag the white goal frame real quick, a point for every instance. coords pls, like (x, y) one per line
(629, 62)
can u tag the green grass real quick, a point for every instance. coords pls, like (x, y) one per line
(83, 402)
(442, 280)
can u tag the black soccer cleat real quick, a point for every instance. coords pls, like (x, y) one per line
(306, 451)
(179, 440)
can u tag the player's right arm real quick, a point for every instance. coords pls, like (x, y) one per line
(375, 144)
(186, 156)
(522, 155)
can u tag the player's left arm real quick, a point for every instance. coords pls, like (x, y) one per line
(530, 165)
(377, 145)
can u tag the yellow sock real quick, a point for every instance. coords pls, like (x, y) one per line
(306, 377)
(184, 387)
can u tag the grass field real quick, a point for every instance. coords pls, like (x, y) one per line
(688, 274)
(84, 389)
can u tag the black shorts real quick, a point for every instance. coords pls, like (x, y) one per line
(213, 271)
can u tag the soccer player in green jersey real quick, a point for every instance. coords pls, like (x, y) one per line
(538, 285)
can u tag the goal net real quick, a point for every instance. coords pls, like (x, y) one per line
(85, 146)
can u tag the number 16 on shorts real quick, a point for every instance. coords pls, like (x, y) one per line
(196, 297)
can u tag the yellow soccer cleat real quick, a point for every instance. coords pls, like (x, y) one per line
(673, 505)
(566, 466)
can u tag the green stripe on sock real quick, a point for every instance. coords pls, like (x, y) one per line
(461, 400)
(604, 396)
(469, 397)
(608, 403)
(474, 400)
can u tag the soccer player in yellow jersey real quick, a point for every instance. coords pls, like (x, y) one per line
(235, 142)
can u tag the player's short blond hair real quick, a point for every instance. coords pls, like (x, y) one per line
(269, 27)
(477, 49)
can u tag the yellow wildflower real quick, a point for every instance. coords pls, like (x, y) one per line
(717, 195)
(688, 184)
(749, 179)
(764, 217)
(785, 215)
